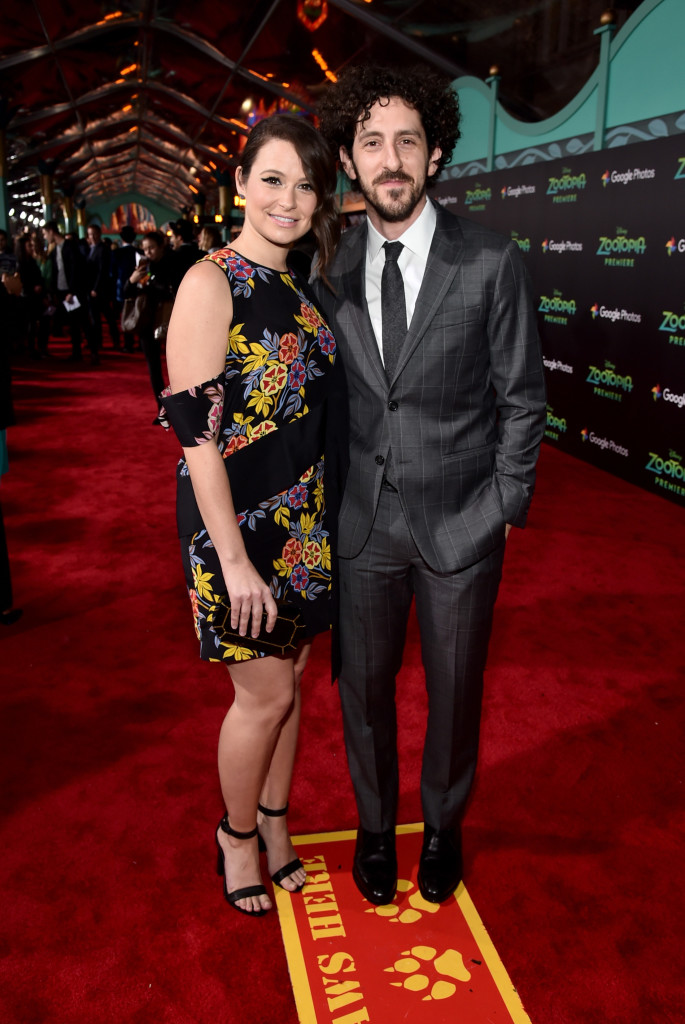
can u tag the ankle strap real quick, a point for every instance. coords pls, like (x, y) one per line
(225, 827)
(273, 814)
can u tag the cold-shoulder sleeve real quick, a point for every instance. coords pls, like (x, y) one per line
(195, 414)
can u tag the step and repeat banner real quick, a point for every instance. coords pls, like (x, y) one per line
(603, 237)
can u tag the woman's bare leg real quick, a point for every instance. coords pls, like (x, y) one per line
(264, 696)
(274, 794)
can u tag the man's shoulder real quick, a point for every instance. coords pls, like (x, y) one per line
(349, 247)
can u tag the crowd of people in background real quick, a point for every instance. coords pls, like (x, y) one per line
(72, 286)
(56, 286)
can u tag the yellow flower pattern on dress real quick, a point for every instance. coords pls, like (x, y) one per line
(202, 587)
(279, 353)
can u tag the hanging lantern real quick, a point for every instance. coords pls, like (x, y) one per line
(312, 13)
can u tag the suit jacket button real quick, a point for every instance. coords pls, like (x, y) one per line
(393, 406)
(379, 460)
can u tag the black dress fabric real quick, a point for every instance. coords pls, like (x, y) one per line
(267, 413)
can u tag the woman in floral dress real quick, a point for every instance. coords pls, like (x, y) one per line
(251, 367)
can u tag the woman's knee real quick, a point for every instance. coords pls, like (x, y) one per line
(269, 700)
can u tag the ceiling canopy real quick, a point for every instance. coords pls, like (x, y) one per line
(154, 96)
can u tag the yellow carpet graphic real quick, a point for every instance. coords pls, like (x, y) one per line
(351, 962)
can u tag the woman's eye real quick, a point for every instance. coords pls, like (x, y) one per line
(306, 186)
(271, 180)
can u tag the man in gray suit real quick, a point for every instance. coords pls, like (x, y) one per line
(447, 410)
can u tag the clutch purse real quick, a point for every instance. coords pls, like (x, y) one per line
(287, 633)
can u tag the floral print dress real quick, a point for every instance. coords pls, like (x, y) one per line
(266, 414)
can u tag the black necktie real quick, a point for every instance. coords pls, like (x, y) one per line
(393, 307)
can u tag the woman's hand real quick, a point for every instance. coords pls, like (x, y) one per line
(249, 597)
(139, 274)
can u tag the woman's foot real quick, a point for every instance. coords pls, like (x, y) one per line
(241, 871)
(280, 851)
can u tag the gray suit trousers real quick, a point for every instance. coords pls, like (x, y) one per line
(454, 612)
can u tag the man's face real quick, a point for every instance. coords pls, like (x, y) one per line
(93, 236)
(176, 241)
(390, 162)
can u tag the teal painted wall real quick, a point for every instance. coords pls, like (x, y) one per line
(512, 134)
(645, 81)
(647, 77)
(474, 103)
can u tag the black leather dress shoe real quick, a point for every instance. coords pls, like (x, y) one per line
(375, 865)
(440, 866)
(10, 616)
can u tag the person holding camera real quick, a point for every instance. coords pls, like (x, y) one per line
(155, 277)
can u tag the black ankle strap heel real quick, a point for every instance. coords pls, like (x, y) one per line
(225, 827)
(271, 813)
(249, 890)
(283, 872)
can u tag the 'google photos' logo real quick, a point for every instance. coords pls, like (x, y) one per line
(606, 178)
(671, 245)
(656, 393)
(585, 433)
(595, 310)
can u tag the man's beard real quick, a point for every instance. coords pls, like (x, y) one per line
(394, 205)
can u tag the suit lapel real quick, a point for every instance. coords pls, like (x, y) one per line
(361, 340)
(444, 259)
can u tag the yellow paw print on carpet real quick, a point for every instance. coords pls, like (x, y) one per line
(417, 905)
(414, 961)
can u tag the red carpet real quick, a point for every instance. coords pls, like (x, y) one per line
(110, 908)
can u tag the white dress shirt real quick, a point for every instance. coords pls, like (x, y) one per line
(412, 263)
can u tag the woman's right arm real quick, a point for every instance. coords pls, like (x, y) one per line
(196, 353)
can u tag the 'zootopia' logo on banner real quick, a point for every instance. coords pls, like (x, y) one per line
(668, 473)
(556, 425)
(680, 173)
(674, 325)
(565, 189)
(477, 197)
(523, 243)
(607, 383)
(621, 250)
(557, 310)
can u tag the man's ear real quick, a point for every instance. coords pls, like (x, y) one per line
(433, 161)
(348, 166)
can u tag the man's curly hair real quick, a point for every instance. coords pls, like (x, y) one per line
(349, 101)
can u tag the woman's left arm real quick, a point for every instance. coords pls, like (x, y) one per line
(196, 353)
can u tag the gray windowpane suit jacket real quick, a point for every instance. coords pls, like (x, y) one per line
(464, 413)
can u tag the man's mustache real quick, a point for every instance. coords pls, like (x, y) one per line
(392, 176)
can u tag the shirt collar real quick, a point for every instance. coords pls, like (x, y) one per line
(417, 238)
